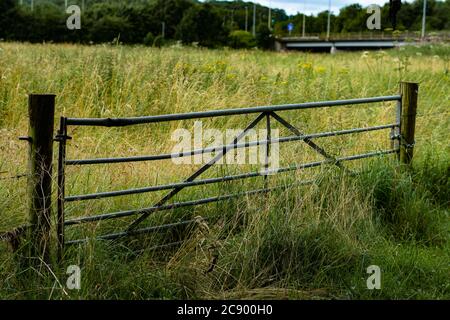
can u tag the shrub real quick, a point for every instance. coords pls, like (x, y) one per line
(158, 42)
(149, 39)
(241, 40)
(264, 37)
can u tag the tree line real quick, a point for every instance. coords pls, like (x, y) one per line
(209, 23)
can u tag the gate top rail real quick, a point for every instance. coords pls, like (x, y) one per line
(122, 122)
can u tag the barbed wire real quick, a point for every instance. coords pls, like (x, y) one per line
(433, 114)
(433, 138)
(19, 176)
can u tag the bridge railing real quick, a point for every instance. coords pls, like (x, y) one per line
(370, 35)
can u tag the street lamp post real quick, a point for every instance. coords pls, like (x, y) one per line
(246, 18)
(304, 19)
(304, 24)
(254, 20)
(424, 18)
(269, 22)
(270, 16)
(329, 20)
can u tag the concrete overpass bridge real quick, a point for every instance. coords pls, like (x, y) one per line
(331, 45)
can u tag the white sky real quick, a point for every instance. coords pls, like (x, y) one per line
(314, 6)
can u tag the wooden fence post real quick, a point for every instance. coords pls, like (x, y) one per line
(409, 92)
(41, 109)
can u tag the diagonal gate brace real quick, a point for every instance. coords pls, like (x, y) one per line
(308, 141)
(196, 174)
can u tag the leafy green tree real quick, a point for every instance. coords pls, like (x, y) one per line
(201, 24)
(264, 37)
(109, 28)
(240, 39)
(352, 18)
(49, 23)
(8, 16)
(171, 12)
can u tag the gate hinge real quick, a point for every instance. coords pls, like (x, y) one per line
(29, 139)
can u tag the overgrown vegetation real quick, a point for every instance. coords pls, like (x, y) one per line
(310, 242)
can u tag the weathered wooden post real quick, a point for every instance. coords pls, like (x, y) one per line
(41, 109)
(409, 92)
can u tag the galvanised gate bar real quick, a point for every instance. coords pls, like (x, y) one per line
(402, 136)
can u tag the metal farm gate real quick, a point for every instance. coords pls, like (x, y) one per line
(401, 134)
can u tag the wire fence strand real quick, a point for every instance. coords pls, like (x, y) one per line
(19, 176)
(435, 114)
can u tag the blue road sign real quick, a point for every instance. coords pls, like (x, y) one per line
(290, 26)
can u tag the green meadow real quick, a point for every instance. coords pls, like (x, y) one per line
(312, 241)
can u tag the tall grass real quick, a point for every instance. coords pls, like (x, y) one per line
(310, 241)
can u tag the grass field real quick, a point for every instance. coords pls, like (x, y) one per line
(305, 242)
